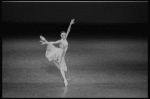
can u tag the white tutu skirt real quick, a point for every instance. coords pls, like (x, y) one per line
(54, 54)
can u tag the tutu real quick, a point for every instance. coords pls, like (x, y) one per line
(55, 53)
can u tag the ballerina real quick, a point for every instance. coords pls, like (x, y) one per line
(57, 55)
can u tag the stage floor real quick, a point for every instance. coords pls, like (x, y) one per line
(96, 68)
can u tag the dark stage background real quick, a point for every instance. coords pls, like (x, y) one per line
(92, 19)
(78, 30)
(107, 54)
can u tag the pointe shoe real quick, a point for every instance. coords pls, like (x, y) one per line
(66, 83)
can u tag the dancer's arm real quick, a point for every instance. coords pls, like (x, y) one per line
(56, 42)
(72, 22)
(44, 42)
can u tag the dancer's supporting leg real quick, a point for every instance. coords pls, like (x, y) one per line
(62, 72)
(64, 77)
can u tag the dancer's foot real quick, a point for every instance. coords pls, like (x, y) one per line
(66, 83)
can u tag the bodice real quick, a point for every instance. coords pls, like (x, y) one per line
(63, 44)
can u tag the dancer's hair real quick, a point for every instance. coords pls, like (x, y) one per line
(63, 33)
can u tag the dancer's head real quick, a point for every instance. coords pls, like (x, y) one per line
(63, 35)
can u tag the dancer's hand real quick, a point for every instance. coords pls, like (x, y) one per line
(72, 21)
(42, 42)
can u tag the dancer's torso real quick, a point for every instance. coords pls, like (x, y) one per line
(63, 44)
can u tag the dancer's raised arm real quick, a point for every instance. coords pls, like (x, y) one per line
(72, 22)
